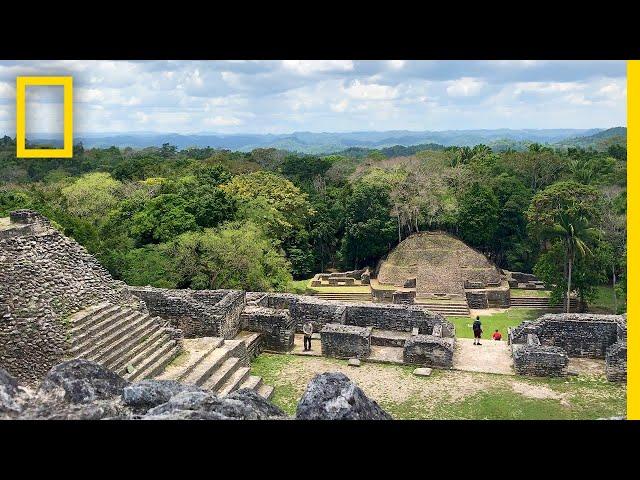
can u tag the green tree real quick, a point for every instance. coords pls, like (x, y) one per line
(478, 216)
(162, 219)
(567, 212)
(234, 256)
(92, 196)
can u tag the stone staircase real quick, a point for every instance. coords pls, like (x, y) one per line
(344, 297)
(218, 365)
(540, 303)
(125, 340)
(448, 308)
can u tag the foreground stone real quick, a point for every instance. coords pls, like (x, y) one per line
(11, 396)
(332, 396)
(84, 390)
(354, 362)
(82, 381)
(422, 372)
(244, 404)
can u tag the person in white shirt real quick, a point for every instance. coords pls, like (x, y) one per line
(307, 329)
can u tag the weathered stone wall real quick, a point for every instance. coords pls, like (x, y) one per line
(580, 335)
(319, 312)
(616, 362)
(489, 298)
(429, 350)
(277, 327)
(537, 360)
(397, 317)
(45, 278)
(345, 341)
(198, 313)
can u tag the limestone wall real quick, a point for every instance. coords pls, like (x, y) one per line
(533, 359)
(198, 313)
(45, 278)
(616, 362)
(345, 341)
(580, 335)
(277, 327)
(397, 317)
(429, 350)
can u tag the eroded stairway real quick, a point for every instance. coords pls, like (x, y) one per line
(137, 346)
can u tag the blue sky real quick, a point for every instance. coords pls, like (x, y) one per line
(320, 95)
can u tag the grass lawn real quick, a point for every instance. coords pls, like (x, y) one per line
(303, 286)
(449, 394)
(519, 292)
(604, 302)
(511, 318)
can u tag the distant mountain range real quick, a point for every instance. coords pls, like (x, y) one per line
(322, 143)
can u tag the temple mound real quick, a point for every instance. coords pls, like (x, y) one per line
(439, 263)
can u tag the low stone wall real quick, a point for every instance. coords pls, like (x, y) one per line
(277, 327)
(616, 362)
(319, 312)
(345, 341)
(397, 317)
(404, 298)
(534, 359)
(489, 298)
(580, 335)
(198, 313)
(429, 350)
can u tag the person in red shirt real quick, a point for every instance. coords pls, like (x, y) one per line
(497, 335)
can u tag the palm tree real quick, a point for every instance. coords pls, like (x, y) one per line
(573, 233)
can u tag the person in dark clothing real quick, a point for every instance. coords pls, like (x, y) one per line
(477, 331)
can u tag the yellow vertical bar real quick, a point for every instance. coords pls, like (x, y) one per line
(20, 116)
(68, 117)
(633, 238)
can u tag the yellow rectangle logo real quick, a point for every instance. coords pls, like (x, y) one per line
(21, 86)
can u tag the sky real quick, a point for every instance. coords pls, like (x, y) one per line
(319, 95)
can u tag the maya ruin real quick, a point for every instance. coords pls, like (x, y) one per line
(75, 343)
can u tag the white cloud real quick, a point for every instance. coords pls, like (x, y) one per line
(370, 91)
(308, 67)
(465, 87)
(221, 121)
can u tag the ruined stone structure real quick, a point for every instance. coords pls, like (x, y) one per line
(198, 313)
(46, 278)
(532, 358)
(276, 326)
(58, 302)
(429, 350)
(539, 345)
(345, 341)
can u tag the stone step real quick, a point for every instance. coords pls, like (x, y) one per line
(222, 374)
(146, 326)
(139, 345)
(93, 319)
(195, 360)
(119, 331)
(103, 329)
(149, 365)
(88, 315)
(160, 363)
(144, 352)
(234, 381)
(206, 367)
(253, 382)
(265, 391)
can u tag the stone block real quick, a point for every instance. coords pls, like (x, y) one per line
(345, 341)
(354, 362)
(422, 372)
(429, 350)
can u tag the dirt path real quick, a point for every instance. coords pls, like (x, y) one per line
(490, 357)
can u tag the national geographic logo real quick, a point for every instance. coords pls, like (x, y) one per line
(21, 86)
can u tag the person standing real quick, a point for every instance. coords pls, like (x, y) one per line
(477, 331)
(307, 329)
